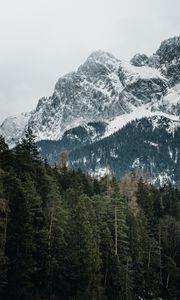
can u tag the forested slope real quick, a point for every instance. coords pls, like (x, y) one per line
(59, 227)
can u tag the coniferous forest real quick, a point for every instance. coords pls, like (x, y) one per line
(67, 236)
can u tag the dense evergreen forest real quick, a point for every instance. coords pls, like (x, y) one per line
(67, 236)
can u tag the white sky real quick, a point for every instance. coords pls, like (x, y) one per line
(40, 40)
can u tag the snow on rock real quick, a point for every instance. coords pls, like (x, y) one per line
(173, 95)
(13, 128)
(134, 73)
(170, 152)
(171, 101)
(162, 179)
(100, 172)
(136, 163)
(103, 89)
(151, 143)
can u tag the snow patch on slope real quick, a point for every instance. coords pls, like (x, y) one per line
(162, 179)
(100, 172)
(134, 73)
(139, 113)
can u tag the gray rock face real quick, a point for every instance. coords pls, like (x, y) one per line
(169, 50)
(139, 60)
(148, 90)
(169, 54)
(154, 61)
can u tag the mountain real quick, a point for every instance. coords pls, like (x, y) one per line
(105, 101)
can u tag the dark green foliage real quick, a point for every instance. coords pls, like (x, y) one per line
(28, 148)
(3, 229)
(81, 257)
(57, 233)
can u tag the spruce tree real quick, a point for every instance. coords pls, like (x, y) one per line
(3, 236)
(81, 257)
(27, 147)
(19, 243)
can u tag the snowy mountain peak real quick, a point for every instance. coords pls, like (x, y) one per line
(99, 61)
(102, 57)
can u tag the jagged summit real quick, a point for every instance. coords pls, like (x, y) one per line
(100, 55)
(98, 64)
(165, 57)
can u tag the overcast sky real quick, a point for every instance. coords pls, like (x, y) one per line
(40, 40)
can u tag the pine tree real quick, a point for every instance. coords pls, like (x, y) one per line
(38, 236)
(5, 155)
(122, 247)
(62, 163)
(170, 246)
(19, 243)
(145, 200)
(3, 236)
(56, 221)
(27, 148)
(81, 257)
(3, 145)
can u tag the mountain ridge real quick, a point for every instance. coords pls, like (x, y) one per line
(101, 88)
